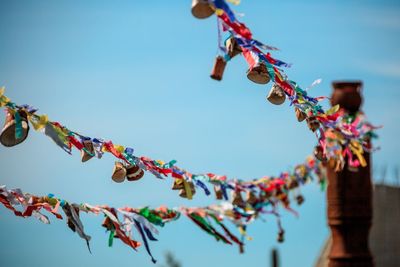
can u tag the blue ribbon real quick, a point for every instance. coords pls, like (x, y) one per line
(221, 4)
(146, 244)
(203, 186)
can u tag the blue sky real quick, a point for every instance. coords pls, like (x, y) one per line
(137, 72)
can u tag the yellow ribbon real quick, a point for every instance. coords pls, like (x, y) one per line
(357, 149)
(244, 233)
(38, 122)
(279, 75)
(301, 100)
(332, 110)
(188, 190)
(62, 134)
(219, 11)
(160, 162)
(235, 2)
(3, 99)
(119, 148)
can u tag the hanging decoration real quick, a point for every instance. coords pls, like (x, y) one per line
(120, 222)
(342, 140)
(348, 136)
(338, 134)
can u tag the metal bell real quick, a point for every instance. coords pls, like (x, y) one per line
(178, 184)
(8, 134)
(313, 123)
(299, 199)
(183, 193)
(251, 198)
(201, 9)
(85, 156)
(276, 95)
(292, 184)
(218, 192)
(219, 67)
(232, 47)
(300, 115)
(259, 74)
(134, 173)
(237, 199)
(119, 172)
(319, 153)
(281, 236)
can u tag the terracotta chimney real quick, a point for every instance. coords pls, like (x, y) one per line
(349, 196)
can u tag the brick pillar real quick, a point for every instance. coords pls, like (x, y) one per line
(349, 197)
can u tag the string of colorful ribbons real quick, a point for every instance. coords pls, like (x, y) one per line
(261, 196)
(132, 168)
(338, 135)
(210, 219)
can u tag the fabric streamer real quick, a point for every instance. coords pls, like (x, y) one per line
(144, 220)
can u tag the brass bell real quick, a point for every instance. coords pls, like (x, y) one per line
(299, 199)
(178, 184)
(281, 236)
(319, 153)
(134, 173)
(8, 134)
(88, 145)
(219, 67)
(218, 192)
(313, 123)
(259, 74)
(300, 115)
(292, 184)
(183, 193)
(232, 47)
(201, 9)
(237, 199)
(276, 95)
(251, 198)
(119, 172)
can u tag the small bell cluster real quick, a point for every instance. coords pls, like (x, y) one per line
(129, 171)
(232, 49)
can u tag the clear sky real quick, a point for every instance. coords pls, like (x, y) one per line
(137, 72)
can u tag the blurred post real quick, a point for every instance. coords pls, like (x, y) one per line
(274, 258)
(349, 196)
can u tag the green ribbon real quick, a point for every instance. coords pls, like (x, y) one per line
(18, 126)
(169, 164)
(129, 158)
(111, 237)
(270, 70)
(323, 184)
(154, 219)
(206, 226)
(88, 152)
(11, 105)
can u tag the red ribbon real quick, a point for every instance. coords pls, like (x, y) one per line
(75, 142)
(7, 204)
(238, 27)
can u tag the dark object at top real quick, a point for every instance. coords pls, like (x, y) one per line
(347, 94)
